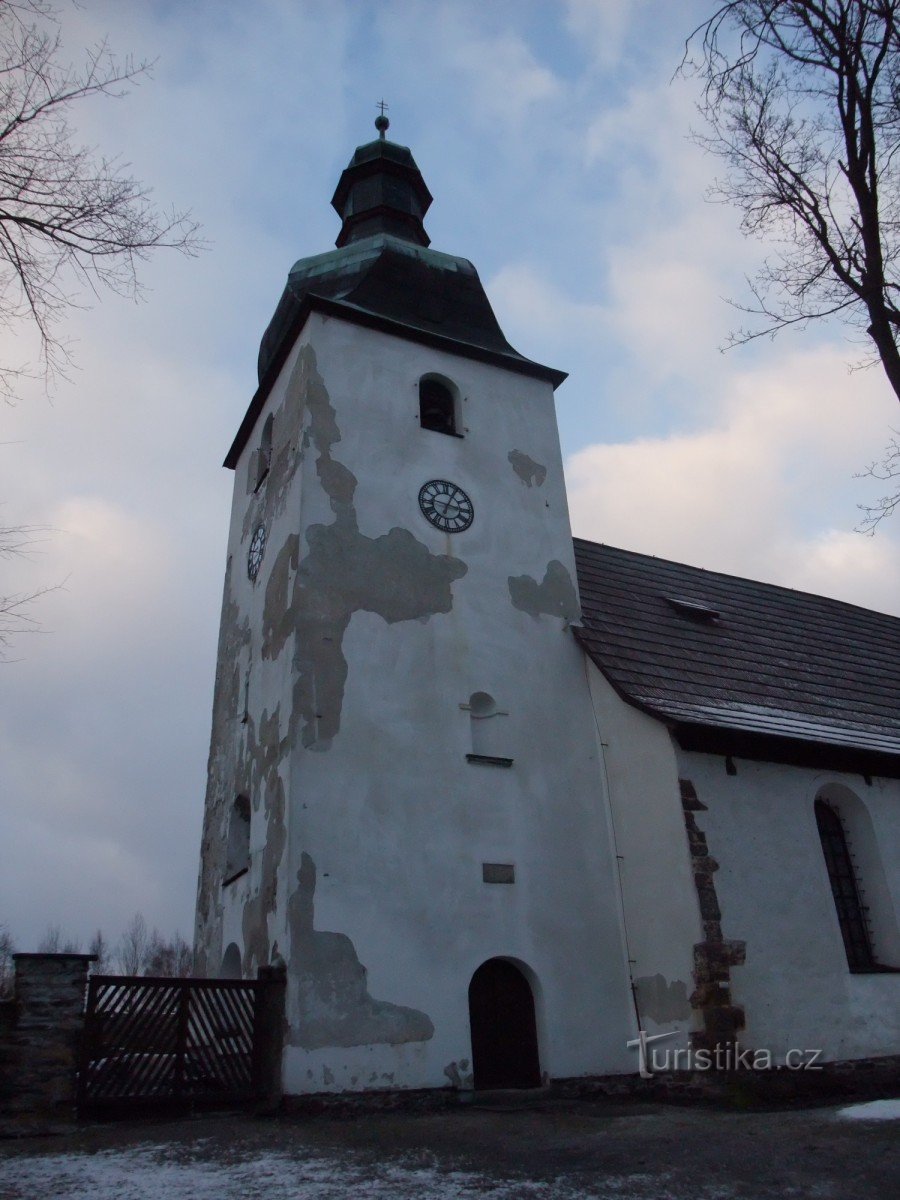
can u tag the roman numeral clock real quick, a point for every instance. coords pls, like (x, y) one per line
(446, 506)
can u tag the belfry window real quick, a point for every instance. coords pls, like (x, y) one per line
(437, 406)
(845, 889)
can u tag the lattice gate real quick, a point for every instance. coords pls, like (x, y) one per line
(172, 1042)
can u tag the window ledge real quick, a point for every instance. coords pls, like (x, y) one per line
(236, 875)
(489, 760)
(445, 432)
(875, 969)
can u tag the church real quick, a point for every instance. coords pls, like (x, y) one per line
(509, 806)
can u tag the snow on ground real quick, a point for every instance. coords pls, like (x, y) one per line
(875, 1110)
(151, 1173)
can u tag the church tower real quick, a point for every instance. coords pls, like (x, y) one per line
(406, 799)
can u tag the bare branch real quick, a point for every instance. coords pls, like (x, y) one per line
(802, 103)
(70, 219)
(16, 617)
(886, 469)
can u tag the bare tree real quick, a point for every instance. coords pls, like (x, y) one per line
(55, 942)
(71, 220)
(802, 98)
(168, 958)
(132, 948)
(99, 946)
(7, 968)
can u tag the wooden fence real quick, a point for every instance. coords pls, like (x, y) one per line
(180, 1042)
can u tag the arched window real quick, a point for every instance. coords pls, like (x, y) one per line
(845, 889)
(264, 453)
(237, 855)
(859, 883)
(231, 963)
(437, 405)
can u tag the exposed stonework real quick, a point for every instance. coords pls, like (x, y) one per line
(529, 471)
(714, 956)
(41, 1037)
(662, 1000)
(554, 596)
(329, 1004)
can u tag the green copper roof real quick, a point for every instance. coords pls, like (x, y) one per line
(423, 290)
(382, 191)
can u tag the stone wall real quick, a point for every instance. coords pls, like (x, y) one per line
(40, 1038)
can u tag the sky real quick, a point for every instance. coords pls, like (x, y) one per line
(555, 137)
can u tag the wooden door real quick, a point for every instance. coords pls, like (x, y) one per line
(504, 1034)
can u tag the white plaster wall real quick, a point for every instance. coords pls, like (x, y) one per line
(397, 822)
(774, 893)
(662, 918)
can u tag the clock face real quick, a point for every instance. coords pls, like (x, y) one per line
(256, 551)
(446, 506)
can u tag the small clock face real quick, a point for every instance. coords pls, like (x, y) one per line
(256, 551)
(446, 506)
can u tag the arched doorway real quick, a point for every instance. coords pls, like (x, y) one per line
(504, 1034)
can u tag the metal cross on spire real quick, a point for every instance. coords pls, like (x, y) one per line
(382, 124)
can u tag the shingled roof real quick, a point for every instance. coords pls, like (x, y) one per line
(738, 667)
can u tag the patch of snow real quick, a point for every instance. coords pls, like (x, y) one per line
(161, 1172)
(874, 1110)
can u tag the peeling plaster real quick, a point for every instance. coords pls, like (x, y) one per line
(529, 471)
(662, 1000)
(554, 596)
(234, 637)
(262, 762)
(394, 576)
(331, 1005)
(459, 1075)
(288, 446)
(313, 597)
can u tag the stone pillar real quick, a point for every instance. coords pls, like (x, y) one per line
(43, 1038)
(268, 1040)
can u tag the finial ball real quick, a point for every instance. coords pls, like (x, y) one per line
(382, 123)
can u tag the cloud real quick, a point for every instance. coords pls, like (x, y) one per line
(504, 81)
(765, 491)
(600, 26)
(530, 302)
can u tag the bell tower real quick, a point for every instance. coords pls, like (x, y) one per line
(405, 798)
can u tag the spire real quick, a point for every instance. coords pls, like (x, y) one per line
(382, 191)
